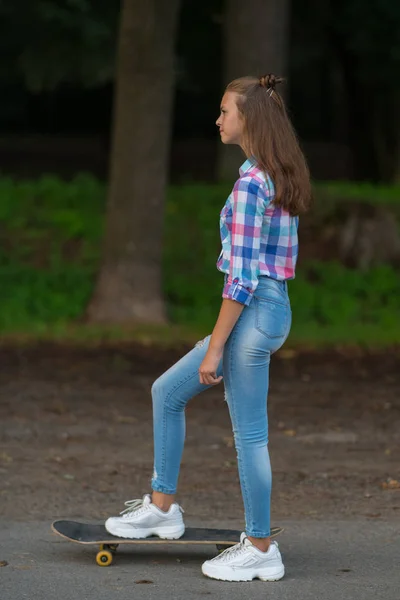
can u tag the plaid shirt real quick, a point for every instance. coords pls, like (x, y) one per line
(257, 237)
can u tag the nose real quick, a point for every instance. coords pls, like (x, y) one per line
(217, 122)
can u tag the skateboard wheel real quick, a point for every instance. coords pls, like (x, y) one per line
(104, 558)
(221, 548)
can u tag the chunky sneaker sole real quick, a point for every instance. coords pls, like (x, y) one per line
(242, 574)
(168, 532)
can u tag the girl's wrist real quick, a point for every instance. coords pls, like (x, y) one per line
(216, 347)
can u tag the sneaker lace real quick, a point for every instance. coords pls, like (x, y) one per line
(132, 506)
(231, 552)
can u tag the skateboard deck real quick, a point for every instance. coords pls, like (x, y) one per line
(91, 534)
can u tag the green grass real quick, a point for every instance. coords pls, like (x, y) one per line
(50, 236)
(361, 192)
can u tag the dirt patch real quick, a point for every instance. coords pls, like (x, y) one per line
(76, 435)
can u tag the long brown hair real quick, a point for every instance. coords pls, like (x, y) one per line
(269, 137)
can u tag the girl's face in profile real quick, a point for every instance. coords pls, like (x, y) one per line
(230, 121)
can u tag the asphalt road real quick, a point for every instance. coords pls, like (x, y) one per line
(345, 560)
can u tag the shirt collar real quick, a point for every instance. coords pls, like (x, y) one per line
(247, 165)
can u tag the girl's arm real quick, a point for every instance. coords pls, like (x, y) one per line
(228, 315)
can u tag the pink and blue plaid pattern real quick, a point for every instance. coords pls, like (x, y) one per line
(257, 237)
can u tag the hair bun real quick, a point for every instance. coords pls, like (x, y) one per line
(270, 80)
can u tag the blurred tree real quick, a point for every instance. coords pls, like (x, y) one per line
(47, 42)
(129, 284)
(343, 79)
(366, 41)
(345, 60)
(255, 43)
(53, 49)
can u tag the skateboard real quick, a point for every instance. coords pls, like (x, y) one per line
(85, 533)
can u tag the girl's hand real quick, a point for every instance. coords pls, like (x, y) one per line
(209, 366)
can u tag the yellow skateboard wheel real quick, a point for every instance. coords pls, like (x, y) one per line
(104, 558)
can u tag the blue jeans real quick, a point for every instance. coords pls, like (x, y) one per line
(261, 329)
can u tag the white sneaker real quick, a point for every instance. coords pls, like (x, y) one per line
(141, 519)
(245, 562)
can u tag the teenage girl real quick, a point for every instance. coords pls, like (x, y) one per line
(258, 227)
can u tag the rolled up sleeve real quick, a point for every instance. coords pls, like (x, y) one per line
(247, 217)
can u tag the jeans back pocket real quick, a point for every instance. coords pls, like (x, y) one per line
(272, 317)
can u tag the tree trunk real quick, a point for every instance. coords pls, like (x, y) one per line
(255, 42)
(129, 284)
